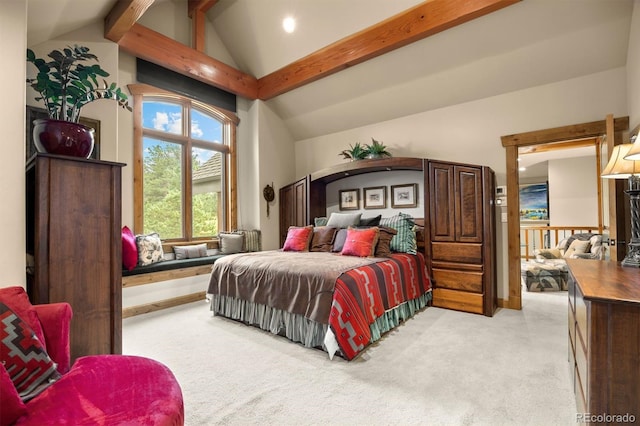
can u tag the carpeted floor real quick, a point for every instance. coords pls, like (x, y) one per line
(440, 368)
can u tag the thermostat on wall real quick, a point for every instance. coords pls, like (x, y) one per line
(501, 191)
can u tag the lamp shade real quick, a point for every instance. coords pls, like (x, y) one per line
(618, 167)
(634, 152)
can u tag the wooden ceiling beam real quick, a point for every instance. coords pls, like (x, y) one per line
(122, 16)
(414, 24)
(154, 47)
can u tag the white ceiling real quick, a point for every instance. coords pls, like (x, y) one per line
(530, 43)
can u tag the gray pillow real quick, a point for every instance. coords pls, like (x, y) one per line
(344, 220)
(339, 240)
(190, 252)
(231, 242)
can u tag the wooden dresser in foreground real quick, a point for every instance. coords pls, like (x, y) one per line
(604, 339)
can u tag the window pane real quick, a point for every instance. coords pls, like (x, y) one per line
(162, 188)
(162, 116)
(205, 128)
(208, 169)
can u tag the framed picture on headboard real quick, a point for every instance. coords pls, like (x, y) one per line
(349, 199)
(404, 196)
(34, 113)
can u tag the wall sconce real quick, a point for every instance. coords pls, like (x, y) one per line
(619, 167)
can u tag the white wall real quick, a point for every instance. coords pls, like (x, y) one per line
(276, 162)
(13, 45)
(470, 132)
(573, 194)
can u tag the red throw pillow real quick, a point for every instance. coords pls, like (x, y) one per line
(23, 356)
(129, 249)
(360, 242)
(12, 405)
(298, 238)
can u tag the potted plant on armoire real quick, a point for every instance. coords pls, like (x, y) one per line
(66, 83)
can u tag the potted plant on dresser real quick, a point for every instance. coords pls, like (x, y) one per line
(65, 85)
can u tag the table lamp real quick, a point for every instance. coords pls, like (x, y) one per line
(619, 167)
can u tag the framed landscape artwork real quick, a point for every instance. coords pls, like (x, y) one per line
(375, 197)
(349, 199)
(34, 113)
(403, 196)
(534, 201)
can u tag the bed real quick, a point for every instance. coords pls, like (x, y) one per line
(321, 299)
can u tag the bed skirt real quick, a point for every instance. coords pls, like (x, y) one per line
(302, 330)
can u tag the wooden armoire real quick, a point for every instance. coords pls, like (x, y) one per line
(459, 217)
(462, 231)
(73, 238)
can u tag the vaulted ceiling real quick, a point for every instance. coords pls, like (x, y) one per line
(521, 45)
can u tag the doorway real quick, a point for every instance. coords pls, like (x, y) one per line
(610, 127)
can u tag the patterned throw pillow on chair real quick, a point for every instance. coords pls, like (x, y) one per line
(29, 366)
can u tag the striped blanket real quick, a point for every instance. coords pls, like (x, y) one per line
(364, 294)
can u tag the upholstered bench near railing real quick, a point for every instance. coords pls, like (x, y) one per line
(164, 271)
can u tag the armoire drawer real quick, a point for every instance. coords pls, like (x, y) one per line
(458, 300)
(457, 252)
(458, 280)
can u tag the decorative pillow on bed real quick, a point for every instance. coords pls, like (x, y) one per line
(190, 252)
(360, 242)
(323, 237)
(320, 221)
(338, 241)
(298, 238)
(405, 240)
(370, 221)
(383, 248)
(231, 242)
(344, 220)
(24, 356)
(129, 249)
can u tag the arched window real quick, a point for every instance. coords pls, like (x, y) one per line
(184, 166)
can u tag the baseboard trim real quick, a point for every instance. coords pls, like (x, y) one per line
(162, 304)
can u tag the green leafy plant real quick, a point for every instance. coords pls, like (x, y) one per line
(355, 152)
(376, 149)
(66, 85)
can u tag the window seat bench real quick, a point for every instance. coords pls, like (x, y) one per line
(165, 271)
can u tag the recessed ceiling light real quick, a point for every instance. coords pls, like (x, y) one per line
(289, 24)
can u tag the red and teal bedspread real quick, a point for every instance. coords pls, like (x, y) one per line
(357, 298)
(364, 294)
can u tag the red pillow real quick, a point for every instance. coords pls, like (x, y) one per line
(29, 366)
(361, 242)
(129, 249)
(298, 238)
(12, 405)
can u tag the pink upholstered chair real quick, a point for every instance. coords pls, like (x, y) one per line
(97, 389)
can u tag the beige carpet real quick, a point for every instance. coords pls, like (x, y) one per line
(440, 368)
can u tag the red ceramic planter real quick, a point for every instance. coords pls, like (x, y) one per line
(63, 138)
